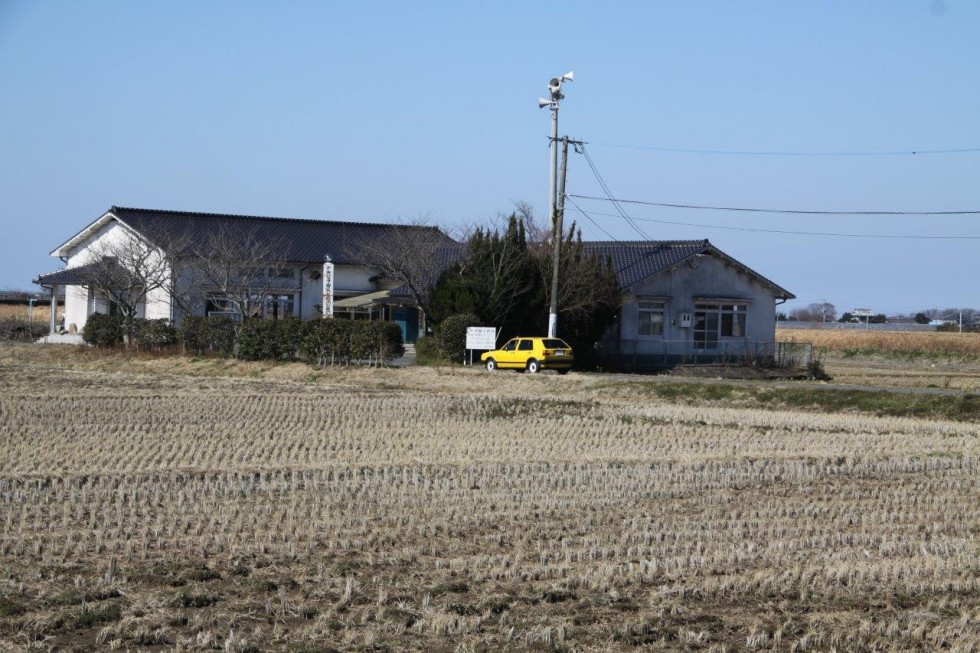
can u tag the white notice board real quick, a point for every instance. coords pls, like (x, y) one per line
(481, 338)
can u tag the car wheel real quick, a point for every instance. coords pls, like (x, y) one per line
(491, 365)
(533, 366)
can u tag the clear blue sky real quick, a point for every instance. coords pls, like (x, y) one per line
(378, 111)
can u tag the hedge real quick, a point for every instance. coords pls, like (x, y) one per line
(336, 341)
(15, 329)
(207, 335)
(321, 341)
(109, 331)
(153, 334)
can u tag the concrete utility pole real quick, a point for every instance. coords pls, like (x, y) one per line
(556, 241)
(554, 89)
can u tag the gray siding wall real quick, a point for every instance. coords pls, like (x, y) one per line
(677, 288)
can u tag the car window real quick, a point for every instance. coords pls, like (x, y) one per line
(526, 345)
(555, 343)
(510, 346)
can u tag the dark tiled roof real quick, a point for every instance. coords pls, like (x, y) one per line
(442, 258)
(306, 241)
(76, 276)
(635, 261)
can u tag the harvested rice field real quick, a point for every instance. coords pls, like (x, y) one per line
(176, 504)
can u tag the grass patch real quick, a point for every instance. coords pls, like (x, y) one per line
(88, 617)
(75, 597)
(894, 404)
(188, 600)
(10, 608)
(963, 409)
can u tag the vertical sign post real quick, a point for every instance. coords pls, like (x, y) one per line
(327, 287)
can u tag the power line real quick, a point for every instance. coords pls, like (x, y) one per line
(757, 210)
(787, 232)
(609, 196)
(589, 218)
(679, 150)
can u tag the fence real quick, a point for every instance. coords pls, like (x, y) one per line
(664, 354)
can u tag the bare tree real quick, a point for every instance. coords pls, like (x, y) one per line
(815, 312)
(536, 232)
(235, 269)
(413, 254)
(124, 271)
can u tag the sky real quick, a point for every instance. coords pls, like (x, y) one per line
(385, 111)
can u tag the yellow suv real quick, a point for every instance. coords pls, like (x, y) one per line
(531, 354)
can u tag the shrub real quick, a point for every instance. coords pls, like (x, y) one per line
(327, 341)
(338, 341)
(15, 329)
(260, 339)
(103, 330)
(207, 335)
(452, 335)
(264, 339)
(289, 333)
(154, 334)
(815, 370)
(428, 351)
(386, 339)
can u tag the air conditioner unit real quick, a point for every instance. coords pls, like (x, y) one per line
(685, 320)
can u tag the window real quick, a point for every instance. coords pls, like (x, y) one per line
(510, 346)
(279, 306)
(218, 304)
(526, 345)
(713, 321)
(554, 343)
(651, 318)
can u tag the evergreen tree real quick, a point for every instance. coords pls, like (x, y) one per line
(497, 282)
(505, 281)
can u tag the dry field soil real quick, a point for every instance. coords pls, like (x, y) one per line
(179, 504)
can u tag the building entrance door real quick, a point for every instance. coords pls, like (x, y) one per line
(408, 319)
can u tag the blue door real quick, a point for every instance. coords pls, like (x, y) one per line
(408, 319)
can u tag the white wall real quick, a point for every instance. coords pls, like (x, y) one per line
(348, 280)
(354, 279)
(77, 305)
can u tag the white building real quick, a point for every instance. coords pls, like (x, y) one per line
(314, 252)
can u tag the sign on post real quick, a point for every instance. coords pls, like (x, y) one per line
(481, 338)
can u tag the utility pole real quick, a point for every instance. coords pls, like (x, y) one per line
(556, 236)
(556, 96)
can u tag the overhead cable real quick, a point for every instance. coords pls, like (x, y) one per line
(609, 197)
(617, 201)
(680, 150)
(782, 231)
(590, 219)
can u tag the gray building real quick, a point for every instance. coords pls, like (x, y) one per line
(687, 301)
